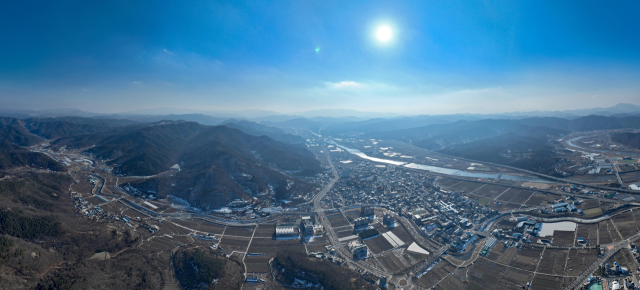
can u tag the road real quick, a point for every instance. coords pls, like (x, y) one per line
(601, 260)
(333, 238)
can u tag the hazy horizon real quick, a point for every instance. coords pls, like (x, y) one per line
(290, 57)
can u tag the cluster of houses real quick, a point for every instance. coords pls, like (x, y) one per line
(96, 212)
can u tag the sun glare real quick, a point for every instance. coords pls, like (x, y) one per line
(384, 33)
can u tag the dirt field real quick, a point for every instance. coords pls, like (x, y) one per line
(353, 213)
(345, 233)
(501, 254)
(337, 220)
(169, 227)
(265, 231)
(211, 228)
(485, 272)
(238, 244)
(526, 258)
(540, 198)
(563, 238)
(553, 261)
(257, 264)
(317, 244)
(490, 191)
(446, 182)
(514, 279)
(549, 282)
(516, 195)
(402, 233)
(391, 262)
(160, 244)
(580, 260)
(608, 233)
(453, 281)
(466, 186)
(436, 274)
(239, 231)
(262, 245)
(625, 259)
(588, 231)
(626, 224)
(378, 244)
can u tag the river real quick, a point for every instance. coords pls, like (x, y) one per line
(570, 143)
(442, 170)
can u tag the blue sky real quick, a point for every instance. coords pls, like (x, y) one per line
(443, 56)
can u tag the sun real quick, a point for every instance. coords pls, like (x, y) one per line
(384, 33)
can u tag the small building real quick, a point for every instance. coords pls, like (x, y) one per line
(387, 219)
(358, 249)
(559, 205)
(318, 230)
(366, 211)
(287, 232)
(361, 222)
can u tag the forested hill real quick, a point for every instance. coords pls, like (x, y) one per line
(218, 163)
(12, 156)
(13, 131)
(627, 139)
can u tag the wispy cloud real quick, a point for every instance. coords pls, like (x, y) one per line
(344, 85)
(137, 82)
(166, 51)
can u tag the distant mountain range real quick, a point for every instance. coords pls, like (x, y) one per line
(343, 114)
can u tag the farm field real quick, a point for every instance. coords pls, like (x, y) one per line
(466, 186)
(514, 278)
(239, 231)
(587, 231)
(625, 259)
(265, 231)
(550, 282)
(581, 259)
(553, 261)
(378, 244)
(209, 227)
(439, 271)
(563, 238)
(608, 233)
(402, 233)
(625, 223)
(317, 244)
(539, 198)
(519, 195)
(526, 258)
(502, 254)
(238, 244)
(484, 272)
(257, 264)
(337, 220)
(172, 228)
(490, 191)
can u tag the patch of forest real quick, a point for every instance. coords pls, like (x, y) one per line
(202, 269)
(627, 139)
(299, 266)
